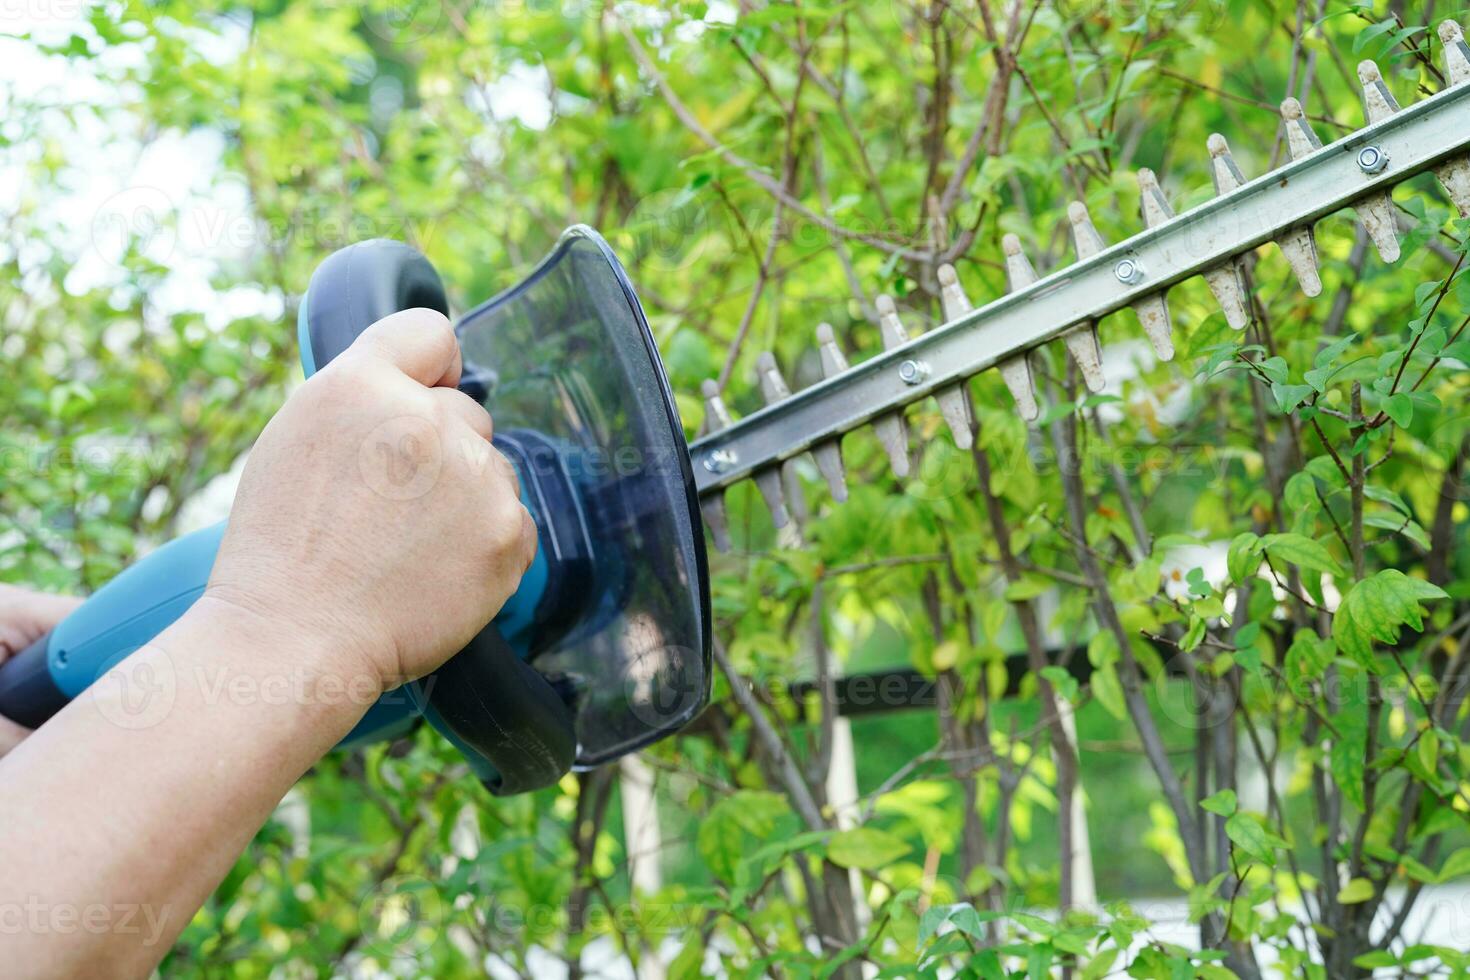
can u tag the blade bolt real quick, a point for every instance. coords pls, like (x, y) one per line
(720, 460)
(912, 372)
(1129, 272)
(1372, 160)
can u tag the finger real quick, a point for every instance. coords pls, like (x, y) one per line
(419, 342)
(462, 406)
(46, 609)
(14, 639)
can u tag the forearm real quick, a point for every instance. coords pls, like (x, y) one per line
(134, 801)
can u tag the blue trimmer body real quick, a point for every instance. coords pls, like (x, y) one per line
(604, 646)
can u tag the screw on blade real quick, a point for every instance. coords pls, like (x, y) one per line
(1017, 370)
(1379, 103)
(953, 404)
(892, 429)
(1456, 52)
(1297, 244)
(712, 506)
(784, 480)
(829, 454)
(1226, 282)
(1376, 211)
(1153, 313)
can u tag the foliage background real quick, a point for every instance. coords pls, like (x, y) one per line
(177, 170)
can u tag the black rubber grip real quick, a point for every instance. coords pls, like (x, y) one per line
(505, 710)
(359, 285)
(28, 695)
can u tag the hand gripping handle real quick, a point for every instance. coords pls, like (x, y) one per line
(485, 699)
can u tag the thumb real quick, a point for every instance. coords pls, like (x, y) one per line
(419, 342)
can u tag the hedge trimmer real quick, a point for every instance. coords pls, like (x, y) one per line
(606, 644)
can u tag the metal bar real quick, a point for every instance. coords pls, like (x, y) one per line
(1296, 194)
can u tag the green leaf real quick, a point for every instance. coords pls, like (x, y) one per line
(1062, 680)
(1399, 525)
(1222, 802)
(1275, 369)
(1400, 408)
(1028, 587)
(1247, 833)
(962, 915)
(1243, 556)
(1300, 493)
(1457, 865)
(1385, 496)
(1109, 691)
(1301, 551)
(1371, 961)
(1376, 608)
(1355, 892)
(867, 848)
(1288, 397)
(1329, 354)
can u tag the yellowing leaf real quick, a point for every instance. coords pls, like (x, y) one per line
(1376, 608)
(867, 848)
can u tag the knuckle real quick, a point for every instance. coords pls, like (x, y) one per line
(506, 523)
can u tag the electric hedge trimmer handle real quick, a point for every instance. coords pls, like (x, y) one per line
(508, 720)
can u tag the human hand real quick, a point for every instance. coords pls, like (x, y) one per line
(25, 617)
(374, 520)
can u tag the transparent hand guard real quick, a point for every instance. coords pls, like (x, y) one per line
(566, 364)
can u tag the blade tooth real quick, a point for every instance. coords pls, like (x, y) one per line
(781, 487)
(953, 404)
(833, 360)
(1301, 138)
(1453, 175)
(1152, 203)
(1378, 101)
(1084, 233)
(1456, 52)
(1082, 344)
(1300, 249)
(769, 483)
(717, 417)
(1375, 212)
(1153, 312)
(717, 520)
(1153, 315)
(829, 454)
(892, 430)
(773, 385)
(1154, 208)
(1016, 372)
(891, 326)
(1226, 174)
(1297, 244)
(1226, 282)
